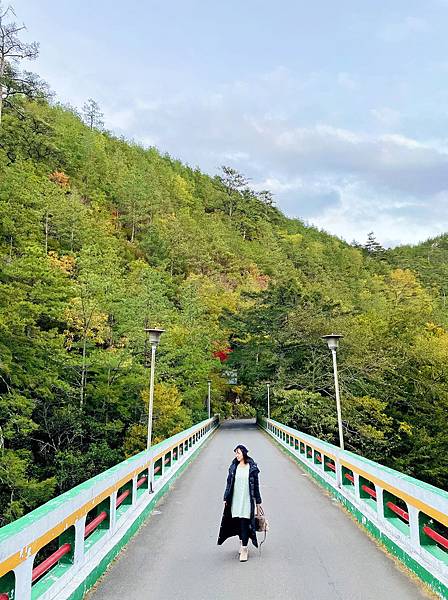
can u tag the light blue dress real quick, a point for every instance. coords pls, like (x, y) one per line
(241, 496)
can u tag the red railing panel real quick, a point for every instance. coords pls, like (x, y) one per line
(50, 561)
(142, 480)
(63, 550)
(399, 511)
(369, 491)
(94, 523)
(103, 515)
(122, 497)
(440, 539)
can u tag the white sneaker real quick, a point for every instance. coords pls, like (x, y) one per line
(244, 554)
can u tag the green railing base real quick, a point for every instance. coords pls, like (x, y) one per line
(394, 551)
(93, 577)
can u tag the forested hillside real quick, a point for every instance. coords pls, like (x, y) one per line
(100, 237)
(430, 261)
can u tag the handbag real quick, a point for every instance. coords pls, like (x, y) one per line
(261, 523)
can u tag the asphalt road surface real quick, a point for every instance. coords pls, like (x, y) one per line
(313, 550)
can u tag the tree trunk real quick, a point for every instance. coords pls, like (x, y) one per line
(72, 237)
(83, 371)
(2, 72)
(46, 233)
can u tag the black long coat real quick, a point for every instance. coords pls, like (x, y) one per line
(229, 526)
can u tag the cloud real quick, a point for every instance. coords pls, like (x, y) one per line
(304, 197)
(121, 120)
(235, 156)
(393, 220)
(347, 81)
(351, 209)
(408, 27)
(394, 161)
(348, 181)
(353, 183)
(386, 116)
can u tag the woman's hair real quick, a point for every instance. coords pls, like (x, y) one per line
(244, 450)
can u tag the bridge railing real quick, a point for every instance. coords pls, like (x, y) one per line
(409, 517)
(62, 547)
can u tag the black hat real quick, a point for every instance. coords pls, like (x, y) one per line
(243, 449)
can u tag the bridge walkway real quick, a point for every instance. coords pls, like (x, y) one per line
(314, 551)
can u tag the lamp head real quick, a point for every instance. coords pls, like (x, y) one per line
(153, 335)
(332, 340)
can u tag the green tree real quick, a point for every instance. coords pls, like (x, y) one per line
(93, 116)
(12, 51)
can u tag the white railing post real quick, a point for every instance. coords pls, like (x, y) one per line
(321, 464)
(338, 468)
(78, 555)
(380, 504)
(113, 511)
(414, 527)
(151, 482)
(357, 488)
(23, 573)
(134, 490)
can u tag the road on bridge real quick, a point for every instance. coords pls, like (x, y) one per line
(314, 551)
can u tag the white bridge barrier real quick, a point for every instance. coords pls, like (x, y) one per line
(82, 530)
(408, 516)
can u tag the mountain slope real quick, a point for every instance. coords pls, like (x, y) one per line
(100, 237)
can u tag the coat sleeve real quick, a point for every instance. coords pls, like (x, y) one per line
(257, 488)
(229, 483)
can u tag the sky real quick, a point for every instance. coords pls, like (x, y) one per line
(339, 108)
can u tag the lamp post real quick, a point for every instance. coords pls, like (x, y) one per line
(268, 385)
(333, 342)
(209, 396)
(153, 337)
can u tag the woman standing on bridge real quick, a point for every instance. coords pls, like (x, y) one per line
(240, 497)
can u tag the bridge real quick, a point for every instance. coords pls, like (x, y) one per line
(342, 527)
